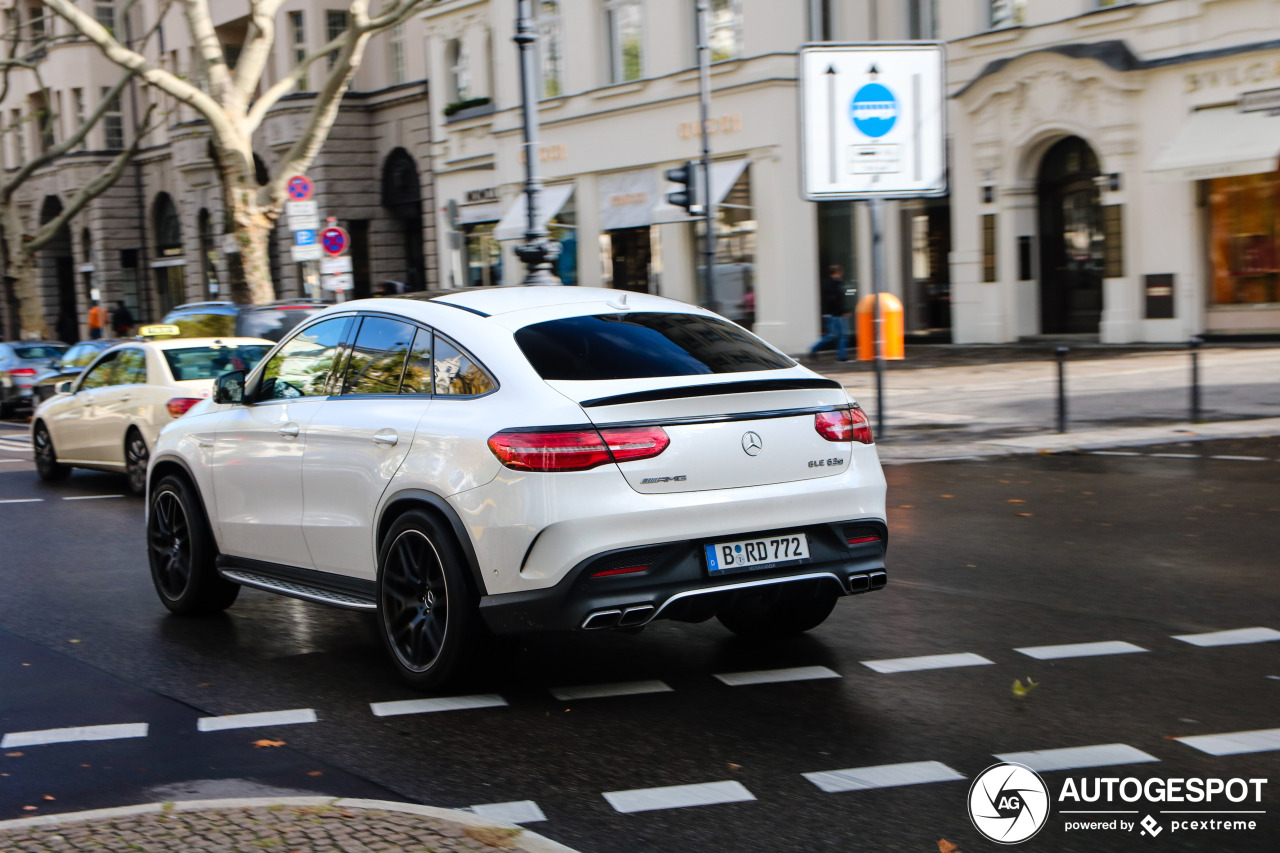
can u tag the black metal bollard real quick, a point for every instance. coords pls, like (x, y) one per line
(1195, 344)
(1061, 353)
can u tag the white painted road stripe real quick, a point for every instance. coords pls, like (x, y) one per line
(91, 497)
(1176, 456)
(1239, 636)
(521, 811)
(1075, 757)
(249, 721)
(678, 797)
(21, 500)
(882, 776)
(1080, 650)
(72, 735)
(1114, 453)
(927, 662)
(13, 461)
(601, 691)
(774, 676)
(1235, 743)
(428, 706)
(1242, 458)
(16, 449)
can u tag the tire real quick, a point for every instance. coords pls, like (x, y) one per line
(47, 464)
(427, 613)
(181, 552)
(136, 457)
(779, 621)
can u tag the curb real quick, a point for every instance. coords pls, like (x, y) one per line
(528, 841)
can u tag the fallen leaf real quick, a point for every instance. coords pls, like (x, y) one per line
(267, 742)
(26, 664)
(1016, 501)
(86, 765)
(47, 797)
(906, 506)
(1006, 481)
(946, 496)
(13, 755)
(1020, 691)
(73, 641)
(494, 836)
(971, 565)
(733, 766)
(29, 808)
(315, 772)
(945, 846)
(205, 684)
(1025, 514)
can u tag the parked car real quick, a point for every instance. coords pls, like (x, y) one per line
(227, 319)
(108, 417)
(69, 366)
(22, 360)
(521, 459)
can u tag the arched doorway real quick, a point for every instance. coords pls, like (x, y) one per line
(402, 197)
(58, 274)
(170, 262)
(1072, 239)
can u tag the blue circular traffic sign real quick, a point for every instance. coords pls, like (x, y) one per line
(335, 240)
(300, 187)
(874, 110)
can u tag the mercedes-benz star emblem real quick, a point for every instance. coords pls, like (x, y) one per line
(752, 444)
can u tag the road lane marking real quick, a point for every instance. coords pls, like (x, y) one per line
(775, 676)
(1076, 757)
(429, 706)
(601, 691)
(12, 461)
(926, 662)
(22, 500)
(678, 797)
(882, 776)
(91, 497)
(16, 449)
(1176, 455)
(1242, 458)
(1235, 743)
(1237, 637)
(1114, 453)
(1080, 650)
(74, 734)
(253, 721)
(518, 812)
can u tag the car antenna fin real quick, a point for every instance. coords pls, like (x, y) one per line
(620, 302)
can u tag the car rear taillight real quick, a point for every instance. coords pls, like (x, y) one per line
(576, 450)
(178, 406)
(844, 425)
(22, 371)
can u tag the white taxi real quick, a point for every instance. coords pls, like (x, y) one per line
(108, 417)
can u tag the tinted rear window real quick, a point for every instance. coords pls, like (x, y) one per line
(38, 350)
(212, 362)
(274, 323)
(643, 345)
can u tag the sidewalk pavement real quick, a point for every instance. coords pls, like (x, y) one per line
(960, 402)
(286, 825)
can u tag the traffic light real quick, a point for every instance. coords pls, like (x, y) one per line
(687, 177)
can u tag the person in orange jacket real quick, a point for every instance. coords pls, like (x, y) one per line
(97, 320)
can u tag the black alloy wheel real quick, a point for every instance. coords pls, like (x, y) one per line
(47, 464)
(136, 457)
(426, 611)
(781, 620)
(181, 552)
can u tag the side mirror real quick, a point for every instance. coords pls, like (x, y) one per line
(56, 364)
(229, 388)
(63, 387)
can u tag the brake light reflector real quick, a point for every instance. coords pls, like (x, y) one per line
(22, 371)
(179, 406)
(576, 450)
(629, 570)
(844, 425)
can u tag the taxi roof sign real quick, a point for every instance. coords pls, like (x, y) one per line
(160, 330)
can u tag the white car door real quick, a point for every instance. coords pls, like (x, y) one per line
(115, 405)
(73, 425)
(258, 447)
(358, 439)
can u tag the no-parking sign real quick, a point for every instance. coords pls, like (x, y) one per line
(335, 240)
(300, 188)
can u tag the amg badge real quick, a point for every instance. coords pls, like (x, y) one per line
(679, 478)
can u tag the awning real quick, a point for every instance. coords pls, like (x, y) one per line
(1219, 143)
(514, 222)
(724, 174)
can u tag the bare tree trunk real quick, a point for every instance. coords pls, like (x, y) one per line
(245, 217)
(27, 286)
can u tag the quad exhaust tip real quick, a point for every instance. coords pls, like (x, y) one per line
(632, 616)
(867, 582)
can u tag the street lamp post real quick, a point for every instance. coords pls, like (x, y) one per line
(538, 253)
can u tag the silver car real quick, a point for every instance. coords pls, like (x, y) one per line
(21, 361)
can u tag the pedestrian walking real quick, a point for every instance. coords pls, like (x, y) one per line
(835, 319)
(97, 320)
(122, 320)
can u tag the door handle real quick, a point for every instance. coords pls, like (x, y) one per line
(289, 430)
(386, 437)
(124, 399)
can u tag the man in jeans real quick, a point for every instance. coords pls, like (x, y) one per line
(835, 320)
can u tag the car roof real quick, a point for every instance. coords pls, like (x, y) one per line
(509, 299)
(191, 343)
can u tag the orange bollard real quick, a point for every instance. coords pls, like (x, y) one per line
(891, 316)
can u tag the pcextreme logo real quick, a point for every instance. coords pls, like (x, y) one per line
(1009, 803)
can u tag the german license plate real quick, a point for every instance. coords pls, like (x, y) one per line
(764, 552)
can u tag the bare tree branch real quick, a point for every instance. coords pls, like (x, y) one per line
(256, 50)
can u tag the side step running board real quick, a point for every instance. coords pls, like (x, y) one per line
(297, 589)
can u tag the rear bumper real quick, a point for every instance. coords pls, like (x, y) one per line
(676, 585)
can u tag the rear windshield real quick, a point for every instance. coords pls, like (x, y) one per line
(38, 350)
(211, 362)
(643, 345)
(274, 323)
(210, 325)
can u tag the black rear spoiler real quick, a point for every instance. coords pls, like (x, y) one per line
(753, 386)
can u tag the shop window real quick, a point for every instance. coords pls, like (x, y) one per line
(483, 255)
(1005, 13)
(1243, 239)
(989, 247)
(734, 275)
(1113, 242)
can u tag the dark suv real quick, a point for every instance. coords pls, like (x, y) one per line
(227, 319)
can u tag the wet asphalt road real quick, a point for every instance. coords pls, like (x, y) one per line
(985, 557)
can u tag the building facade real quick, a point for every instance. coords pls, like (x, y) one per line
(155, 239)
